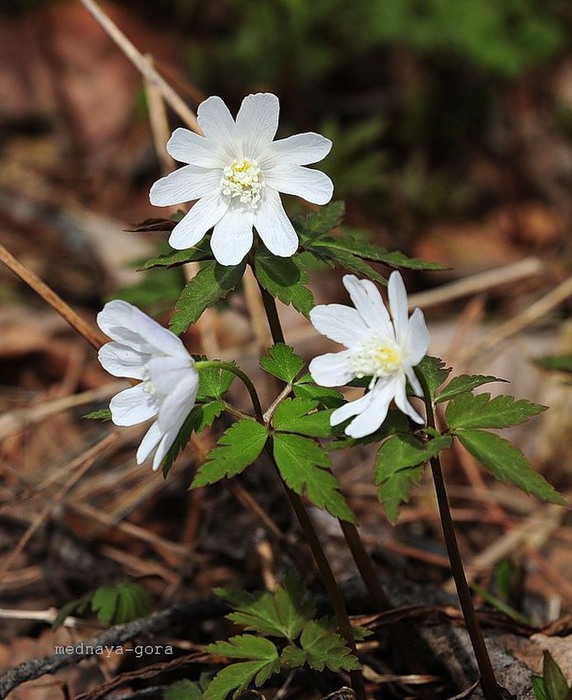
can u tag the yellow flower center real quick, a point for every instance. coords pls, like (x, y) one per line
(243, 180)
(372, 358)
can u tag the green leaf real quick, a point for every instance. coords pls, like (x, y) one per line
(212, 283)
(306, 388)
(200, 417)
(304, 466)
(300, 416)
(214, 382)
(238, 448)
(101, 414)
(507, 463)
(555, 682)
(183, 690)
(120, 603)
(202, 251)
(282, 362)
(263, 662)
(282, 613)
(539, 689)
(321, 647)
(434, 374)
(284, 279)
(480, 411)
(396, 422)
(78, 606)
(463, 384)
(399, 466)
(324, 219)
(561, 363)
(330, 250)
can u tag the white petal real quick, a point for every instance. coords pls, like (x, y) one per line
(331, 369)
(162, 448)
(116, 314)
(339, 323)
(184, 185)
(166, 373)
(402, 402)
(188, 147)
(418, 338)
(372, 417)
(122, 360)
(257, 122)
(274, 227)
(150, 441)
(367, 300)
(398, 305)
(312, 185)
(218, 125)
(203, 215)
(132, 406)
(300, 149)
(160, 339)
(178, 404)
(232, 236)
(415, 383)
(352, 408)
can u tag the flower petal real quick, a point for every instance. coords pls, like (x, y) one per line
(312, 185)
(352, 408)
(150, 441)
(300, 149)
(398, 305)
(179, 402)
(203, 215)
(166, 373)
(402, 402)
(188, 147)
(122, 360)
(367, 300)
(184, 185)
(274, 227)
(132, 406)
(418, 338)
(332, 369)
(218, 125)
(339, 323)
(412, 377)
(162, 448)
(372, 417)
(257, 122)
(232, 236)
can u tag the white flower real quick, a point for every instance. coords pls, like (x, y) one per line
(236, 172)
(383, 348)
(143, 349)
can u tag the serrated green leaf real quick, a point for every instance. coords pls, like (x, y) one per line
(212, 283)
(282, 362)
(202, 251)
(200, 417)
(101, 414)
(480, 411)
(183, 690)
(295, 416)
(321, 648)
(282, 613)
(120, 603)
(284, 279)
(306, 388)
(322, 220)
(507, 463)
(464, 383)
(434, 373)
(214, 382)
(330, 250)
(237, 677)
(304, 466)
(78, 606)
(399, 466)
(555, 682)
(238, 448)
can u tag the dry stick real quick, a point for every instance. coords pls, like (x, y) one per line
(488, 681)
(93, 337)
(143, 65)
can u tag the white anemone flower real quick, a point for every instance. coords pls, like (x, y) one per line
(142, 349)
(378, 346)
(236, 172)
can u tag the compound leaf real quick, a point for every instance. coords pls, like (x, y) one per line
(480, 411)
(282, 362)
(320, 647)
(299, 416)
(285, 279)
(120, 603)
(463, 384)
(434, 374)
(238, 448)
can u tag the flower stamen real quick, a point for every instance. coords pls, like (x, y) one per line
(375, 358)
(243, 180)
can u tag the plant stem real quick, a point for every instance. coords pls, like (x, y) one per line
(244, 378)
(272, 315)
(489, 685)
